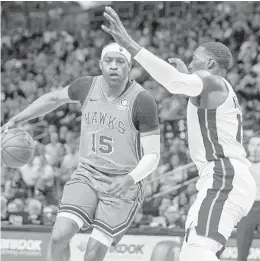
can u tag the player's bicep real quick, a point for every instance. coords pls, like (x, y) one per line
(62, 95)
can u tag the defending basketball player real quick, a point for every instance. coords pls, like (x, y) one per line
(226, 188)
(119, 146)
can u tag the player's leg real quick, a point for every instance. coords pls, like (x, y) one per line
(196, 246)
(199, 248)
(98, 245)
(64, 229)
(165, 251)
(245, 232)
(221, 202)
(112, 218)
(76, 210)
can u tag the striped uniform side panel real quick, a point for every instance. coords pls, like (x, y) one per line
(212, 206)
(119, 229)
(138, 147)
(208, 126)
(66, 208)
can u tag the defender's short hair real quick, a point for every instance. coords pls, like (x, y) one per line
(220, 53)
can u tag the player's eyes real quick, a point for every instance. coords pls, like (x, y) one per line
(108, 60)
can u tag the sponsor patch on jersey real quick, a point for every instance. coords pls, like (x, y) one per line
(123, 105)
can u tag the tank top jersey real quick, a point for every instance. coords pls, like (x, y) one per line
(109, 141)
(216, 133)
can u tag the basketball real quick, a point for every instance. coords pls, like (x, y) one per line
(17, 148)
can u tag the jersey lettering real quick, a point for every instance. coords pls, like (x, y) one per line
(105, 120)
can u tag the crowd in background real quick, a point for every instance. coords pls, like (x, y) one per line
(33, 64)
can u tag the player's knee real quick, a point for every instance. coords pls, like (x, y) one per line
(91, 254)
(59, 237)
(191, 253)
(165, 251)
(63, 231)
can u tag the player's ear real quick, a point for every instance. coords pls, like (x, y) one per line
(210, 63)
(130, 66)
(100, 65)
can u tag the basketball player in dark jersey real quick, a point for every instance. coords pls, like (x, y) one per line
(119, 146)
(226, 188)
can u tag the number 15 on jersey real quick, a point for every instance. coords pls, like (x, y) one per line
(102, 143)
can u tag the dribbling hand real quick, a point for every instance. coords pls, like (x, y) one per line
(9, 125)
(179, 65)
(121, 186)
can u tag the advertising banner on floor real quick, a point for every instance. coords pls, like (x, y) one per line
(24, 246)
(133, 248)
(230, 253)
(32, 246)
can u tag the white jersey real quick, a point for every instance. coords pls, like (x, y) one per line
(216, 133)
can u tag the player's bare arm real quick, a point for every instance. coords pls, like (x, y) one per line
(49, 102)
(214, 89)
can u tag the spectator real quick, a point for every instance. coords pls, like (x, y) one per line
(30, 174)
(33, 64)
(172, 217)
(35, 212)
(54, 150)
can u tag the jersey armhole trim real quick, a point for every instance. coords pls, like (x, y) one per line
(90, 92)
(131, 111)
(228, 94)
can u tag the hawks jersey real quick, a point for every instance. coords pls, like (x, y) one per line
(216, 133)
(110, 130)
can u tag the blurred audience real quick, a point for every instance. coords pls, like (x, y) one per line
(33, 64)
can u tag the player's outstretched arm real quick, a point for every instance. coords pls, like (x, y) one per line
(165, 74)
(46, 103)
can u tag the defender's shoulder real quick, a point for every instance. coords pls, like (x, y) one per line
(211, 82)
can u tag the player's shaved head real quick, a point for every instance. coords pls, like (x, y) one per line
(219, 52)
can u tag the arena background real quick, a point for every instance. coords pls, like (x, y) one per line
(47, 45)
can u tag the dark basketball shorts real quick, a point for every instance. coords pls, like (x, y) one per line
(86, 197)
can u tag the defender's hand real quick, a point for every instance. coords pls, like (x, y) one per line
(116, 29)
(121, 186)
(179, 65)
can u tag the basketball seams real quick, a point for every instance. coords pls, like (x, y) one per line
(19, 147)
(14, 157)
(13, 137)
(4, 160)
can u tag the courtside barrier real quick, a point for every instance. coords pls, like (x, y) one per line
(29, 243)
